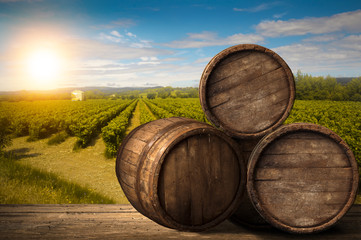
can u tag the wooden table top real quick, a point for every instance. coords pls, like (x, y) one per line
(117, 221)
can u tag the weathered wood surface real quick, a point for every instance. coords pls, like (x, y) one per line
(247, 90)
(181, 173)
(302, 178)
(124, 222)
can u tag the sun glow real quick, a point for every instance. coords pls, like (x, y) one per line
(44, 67)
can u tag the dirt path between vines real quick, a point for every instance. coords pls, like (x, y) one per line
(134, 120)
(150, 112)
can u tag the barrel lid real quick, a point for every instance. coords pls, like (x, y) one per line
(247, 90)
(302, 178)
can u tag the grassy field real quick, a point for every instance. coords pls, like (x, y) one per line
(23, 184)
(88, 168)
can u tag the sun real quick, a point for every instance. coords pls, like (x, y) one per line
(44, 67)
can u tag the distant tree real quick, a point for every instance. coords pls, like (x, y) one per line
(151, 95)
(94, 94)
(132, 96)
(163, 93)
(320, 88)
(193, 93)
(5, 139)
(353, 89)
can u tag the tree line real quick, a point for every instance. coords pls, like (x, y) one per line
(326, 88)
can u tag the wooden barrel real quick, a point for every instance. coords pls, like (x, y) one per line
(247, 90)
(302, 178)
(181, 173)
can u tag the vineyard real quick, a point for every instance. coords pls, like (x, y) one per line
(110, 118)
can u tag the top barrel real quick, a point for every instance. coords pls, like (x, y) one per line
(247, 90)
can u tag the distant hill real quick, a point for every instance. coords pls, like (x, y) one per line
(107, 90)
(97, 93)
(344, 80)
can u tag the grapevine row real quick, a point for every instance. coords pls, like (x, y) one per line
(145, 114)
(114, 132)
(158, 111)
(41, 119)
(87, 128)
(180, 107)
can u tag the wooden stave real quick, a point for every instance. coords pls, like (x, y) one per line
(217, 59)
(151, 207)
(282, 131)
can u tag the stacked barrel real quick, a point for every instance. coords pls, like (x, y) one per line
(191, 176)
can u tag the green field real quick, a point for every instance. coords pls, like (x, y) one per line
(63, 151)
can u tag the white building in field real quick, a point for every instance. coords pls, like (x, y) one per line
(77, 95)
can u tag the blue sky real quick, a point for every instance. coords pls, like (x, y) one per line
(168, 43)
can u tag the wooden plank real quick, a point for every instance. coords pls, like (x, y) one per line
(244, 65)
(234, 57)
(224, 176)
(173, 185)
(297, 200)
(306, 160)
(196, 179)
(136, 145)
(295, 146)
(304, 185)
(213, 166)
(248, 92)
(303, 209)
(124, 222)
(292, 174)
(248, 108)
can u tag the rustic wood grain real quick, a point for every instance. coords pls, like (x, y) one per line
(124, 222)
(183, 174)
(302, 178)
(247, 90)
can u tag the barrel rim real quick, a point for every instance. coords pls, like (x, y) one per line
(218, 58)
(154, 178)
(278, 133)
(119, 159)
(140, 207)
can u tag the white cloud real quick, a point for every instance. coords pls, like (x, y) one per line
(279, 15)
(111, 38)
(352, 42)
(132, 40)
(142, 44)
(91, 49)
(116, 33)
(325, 58)
(208, 39)
(138, 74)
(348, 22)
(321, 38)
(259, 8)
(129, 34)
(149, 61)
(203, 60)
